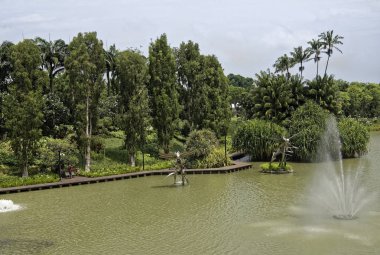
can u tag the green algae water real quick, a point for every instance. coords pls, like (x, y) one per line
(237, 213)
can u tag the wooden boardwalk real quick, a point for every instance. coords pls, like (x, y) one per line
(80, 180)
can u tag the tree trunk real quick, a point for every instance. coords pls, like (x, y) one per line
(133, 160)
(25, 166)
(108, 83)
(88, 136)
(327, 64)
(317, 69)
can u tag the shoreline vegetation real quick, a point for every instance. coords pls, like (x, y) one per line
(107, 111)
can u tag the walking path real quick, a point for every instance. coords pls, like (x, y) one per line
(79, 180)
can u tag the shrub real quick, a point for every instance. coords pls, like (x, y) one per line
(200, 143)
(354, 137)
(215, 158)
(307, 125)
(7, 156)
(49, 150)
(14, 181)
(274, 167)
(259, 138)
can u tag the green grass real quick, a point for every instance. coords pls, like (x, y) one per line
(115, 160)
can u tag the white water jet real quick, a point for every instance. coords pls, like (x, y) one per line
(337, 190)
(8, 206)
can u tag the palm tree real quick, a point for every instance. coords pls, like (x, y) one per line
(110, 66)
(315, 48)
(300, 56)
(283, 64)
(329, 42)
(53, 56)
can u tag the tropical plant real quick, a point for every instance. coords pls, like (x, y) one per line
(53, 56)
(110, 56)
(307, 125)
(354, 137)
(258, 138)
(300, 56)
(271, 97)
(200, 143)
(283, 64)
(324, 92)
(329, 43)
(315, 49)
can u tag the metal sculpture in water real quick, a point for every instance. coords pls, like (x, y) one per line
(285, 149)
(179, 172)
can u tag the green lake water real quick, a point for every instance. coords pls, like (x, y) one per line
(238, 213)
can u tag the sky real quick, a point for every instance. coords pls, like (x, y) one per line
(247, 36)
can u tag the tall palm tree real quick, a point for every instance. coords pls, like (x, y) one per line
(110, 55)
(300, 56)
(53, 56)
(329, 42)
(315, 48)
(283, 64)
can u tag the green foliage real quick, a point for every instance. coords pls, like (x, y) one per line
(307, 124)
(267, 167)
(163, 90)
(200, 143)
(134, 116)
(204, 90)
(5, 77)
(361, 100)
(215, 158)
(53, 56)
(23, 104)
(324, 92)
(299, 55)
(354, 137)
(52, 151)
(236, 80)
(7, 181)
(7, 156)
(56, 115)
(85, 68)
(258, 138)
(276, 96)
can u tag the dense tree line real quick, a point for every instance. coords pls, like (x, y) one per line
(74, 92)
(275, 95)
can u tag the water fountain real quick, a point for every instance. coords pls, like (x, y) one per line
(8, 205)
(337, 190)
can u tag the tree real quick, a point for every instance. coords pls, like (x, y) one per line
(271, 97)
(315, 48)
(324, 92)
(300, 56)
(163, 90)
(211, 106)
(5, 77)
(53, 56)
(282, 64)
(23, 104)
(188, 65)
(85, 67)
(237, 80)
(132, 76)
(110, 56)
(308, 123)
(330, 42)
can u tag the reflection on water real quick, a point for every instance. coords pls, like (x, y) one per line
(237, 213)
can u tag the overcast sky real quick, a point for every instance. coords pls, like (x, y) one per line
(246, 35)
